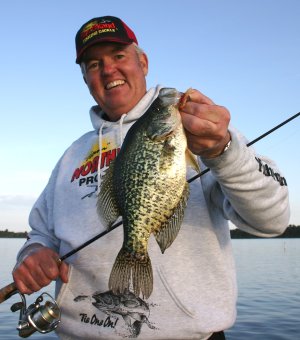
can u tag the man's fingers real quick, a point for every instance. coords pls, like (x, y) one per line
(26, 283)
(64, 271)
(38, 269)
(23, 288)
(212, 113)
(197, 127)
(205, 123)
(198, 97)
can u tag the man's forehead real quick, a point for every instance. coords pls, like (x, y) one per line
(102, 48)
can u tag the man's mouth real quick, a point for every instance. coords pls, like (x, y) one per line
(114, 84)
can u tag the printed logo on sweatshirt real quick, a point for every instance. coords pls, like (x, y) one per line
(268, 171)
(86, 174)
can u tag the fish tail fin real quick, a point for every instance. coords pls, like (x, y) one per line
(135, 269)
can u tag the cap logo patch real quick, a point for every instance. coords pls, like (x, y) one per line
(95, 28)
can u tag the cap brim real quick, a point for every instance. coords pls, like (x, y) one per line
(99, 41)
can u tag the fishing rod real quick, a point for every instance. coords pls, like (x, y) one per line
(37, 312)
(103, 233)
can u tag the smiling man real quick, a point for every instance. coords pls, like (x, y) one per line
(115, 75)
(114, 70)
(194, 285)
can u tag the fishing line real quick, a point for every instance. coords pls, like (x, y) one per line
(103, 233)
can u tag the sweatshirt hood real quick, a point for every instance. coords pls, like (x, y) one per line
(99, 122)
(97, 115)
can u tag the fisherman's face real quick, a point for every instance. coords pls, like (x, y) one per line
(115, 75)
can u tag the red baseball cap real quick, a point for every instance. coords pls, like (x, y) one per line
(102, 29)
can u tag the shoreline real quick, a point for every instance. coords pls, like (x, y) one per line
(292, 231)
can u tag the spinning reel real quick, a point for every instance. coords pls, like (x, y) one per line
(43, 318)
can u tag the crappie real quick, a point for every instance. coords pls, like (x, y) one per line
(146, 185)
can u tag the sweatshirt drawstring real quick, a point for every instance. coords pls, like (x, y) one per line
(121, 127)
(100, 157)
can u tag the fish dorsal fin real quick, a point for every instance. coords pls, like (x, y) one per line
(169, 230)
(191, 160)
(107, 207)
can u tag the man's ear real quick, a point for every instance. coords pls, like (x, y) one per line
(144, 63)
(84, 79)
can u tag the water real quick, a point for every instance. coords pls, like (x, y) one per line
(269, 290)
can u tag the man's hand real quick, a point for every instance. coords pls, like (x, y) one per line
(206, 125)
(37, 267)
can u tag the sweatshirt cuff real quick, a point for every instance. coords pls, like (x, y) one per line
(38, 241)
(234, 157)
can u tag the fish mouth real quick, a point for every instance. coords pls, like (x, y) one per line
(169, 96)
(114, 84)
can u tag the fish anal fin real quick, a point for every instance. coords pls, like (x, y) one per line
(169, 230)
(107, 206)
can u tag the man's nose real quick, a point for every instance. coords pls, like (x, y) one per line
(108, 67)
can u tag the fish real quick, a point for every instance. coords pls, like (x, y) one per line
(146, 185)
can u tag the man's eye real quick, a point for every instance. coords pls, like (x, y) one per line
(92, 65)
(119, 56)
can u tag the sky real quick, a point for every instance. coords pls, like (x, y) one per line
(244, 55)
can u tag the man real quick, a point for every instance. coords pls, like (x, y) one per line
(194, 293)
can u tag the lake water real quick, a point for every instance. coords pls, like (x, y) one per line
(269, 290)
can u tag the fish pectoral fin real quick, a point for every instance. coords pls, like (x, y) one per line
(166, 158)
(191, 160)
(169, 230)
(107, 207)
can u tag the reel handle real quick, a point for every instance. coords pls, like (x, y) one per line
(7, 291)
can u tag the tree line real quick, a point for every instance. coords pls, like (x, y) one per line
(11, 234)
(292, 231)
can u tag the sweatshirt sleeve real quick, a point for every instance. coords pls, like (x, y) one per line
(249, 189)
(41, 218)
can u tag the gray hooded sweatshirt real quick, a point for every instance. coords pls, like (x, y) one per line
(194, 290)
